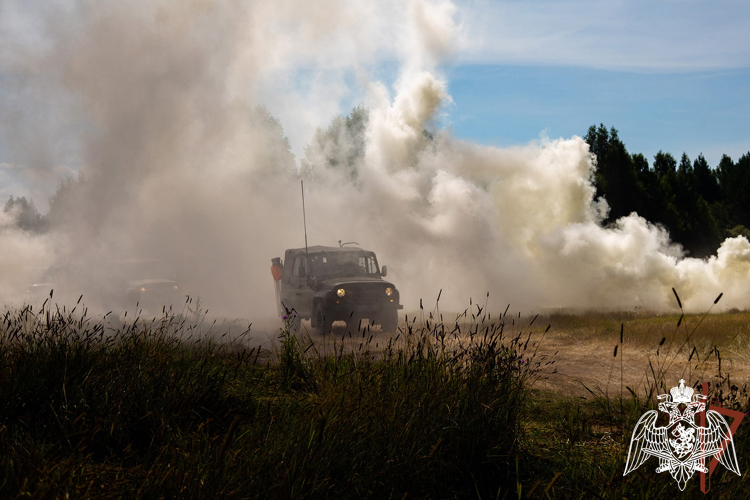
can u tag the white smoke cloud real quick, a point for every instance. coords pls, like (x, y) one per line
(22, 254)
(181, 167)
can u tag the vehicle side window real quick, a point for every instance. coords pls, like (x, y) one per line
(299, 267)
(368, 264)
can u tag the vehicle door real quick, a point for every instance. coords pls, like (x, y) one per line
(289, 284)
(298, 293)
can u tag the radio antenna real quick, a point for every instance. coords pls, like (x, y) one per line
(304, 221)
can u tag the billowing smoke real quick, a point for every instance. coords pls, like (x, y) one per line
(163, 108)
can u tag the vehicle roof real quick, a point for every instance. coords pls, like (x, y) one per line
(320, 248)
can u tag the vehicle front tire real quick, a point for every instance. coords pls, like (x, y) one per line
(322, 322)
(389, 321)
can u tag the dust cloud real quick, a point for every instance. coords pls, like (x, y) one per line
(162, 106)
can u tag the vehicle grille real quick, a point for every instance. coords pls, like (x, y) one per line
(368, 293)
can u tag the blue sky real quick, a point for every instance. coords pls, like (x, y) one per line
(704, 111)
(670, 75)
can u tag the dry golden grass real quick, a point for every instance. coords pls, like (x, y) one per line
(650, 348)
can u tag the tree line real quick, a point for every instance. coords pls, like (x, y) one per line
(700, 206)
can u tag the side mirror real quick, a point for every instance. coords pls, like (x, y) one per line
(384, 271)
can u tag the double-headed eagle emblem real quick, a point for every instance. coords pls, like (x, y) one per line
(682, 446)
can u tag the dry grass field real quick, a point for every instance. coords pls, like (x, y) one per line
(704, 348)
(483, 405)
(607, 352)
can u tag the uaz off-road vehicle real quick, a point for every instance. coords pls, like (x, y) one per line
(327, 284)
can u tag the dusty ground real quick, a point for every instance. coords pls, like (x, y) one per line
(591, 363)
(654, 347)
(582, 348)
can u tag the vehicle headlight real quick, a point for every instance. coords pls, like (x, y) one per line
(340, 292)
(388, 291)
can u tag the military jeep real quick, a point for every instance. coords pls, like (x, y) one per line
(327, 284)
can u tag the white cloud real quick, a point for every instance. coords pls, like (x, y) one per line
(634, 34)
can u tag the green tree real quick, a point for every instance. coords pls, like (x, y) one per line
(616, 178)
(734, 185)
(666, 213)
(698, 205)
(742, 203)
(650, 184)
(597, 139)
(665, 166)
(275, 156)
(62, 203)
(340, 146)
(697, 229)
(706, 181)
(739, 231)
(27, 217)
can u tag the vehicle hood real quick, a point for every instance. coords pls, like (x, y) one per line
(358, 281)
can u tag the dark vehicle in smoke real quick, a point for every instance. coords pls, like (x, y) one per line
(327, 284)
(153, 294)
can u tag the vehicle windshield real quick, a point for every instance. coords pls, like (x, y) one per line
(343, 264)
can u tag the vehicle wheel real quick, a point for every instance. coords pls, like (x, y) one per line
(322, 322)
(389, 321)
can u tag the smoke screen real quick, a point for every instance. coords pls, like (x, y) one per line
(191, 124)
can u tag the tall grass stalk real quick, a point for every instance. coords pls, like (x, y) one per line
(100, 408)
(587, 441)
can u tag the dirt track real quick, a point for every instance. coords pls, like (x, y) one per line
(591, 363)
(584, 358)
